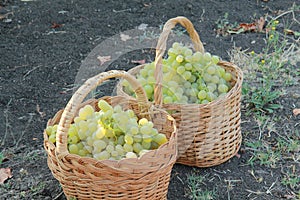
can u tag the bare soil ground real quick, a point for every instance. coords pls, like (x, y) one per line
(42, 45)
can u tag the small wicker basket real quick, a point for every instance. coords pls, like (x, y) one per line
(208, 134)
(146, 177)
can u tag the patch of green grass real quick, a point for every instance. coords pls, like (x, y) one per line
(223, 26)
(1, 158)
(291, 179)
(261, 98)
(197, 191)
(270, 154)
(268, 72)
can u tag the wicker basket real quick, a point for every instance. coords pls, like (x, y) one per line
(208, 134)
(146, 177)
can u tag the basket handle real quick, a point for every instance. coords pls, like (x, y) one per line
(75, 101)
(161, 47)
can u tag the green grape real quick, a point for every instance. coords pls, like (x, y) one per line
(154, 145)
(108, 114)
(116, 109)
(145, 129)
(127, 147)
(114, 154)
(189, 59)
(80, 145)
(83, 125)
(143, 121)
(128, 139)
(179, 58)
(207, 57)
(119, 148)
(197, 57)
(110, 148)
(211, 96)
(215, 59)
(211, 70)
(131, 155)
(192, 79)
(144, 74)
(222, 88)
(202, 94)
(187, 85)
(148, 89)
(176, 45)
(130, 113)
(52, 138)
(221, 71)
(73, 149)
(83, 152)
(89, 149)
(186, 75)
(49, 130)
(109, 133)
(100, 132)
(188, 66)
(215, 79)
(195, 85)
(207, 77)
(181, 69)
(99, 145)
(137, 138)
(86, 112)
(160, 139)
(188, 52)
(146, 145)
(134, 130)
(73, 139)
(92, 127)
(204, 101)
(121, 140)
(104, 155)
(137, 147)
(211, 87)
(227, 76)
(147, 138)
(168, 99)
(104, 106)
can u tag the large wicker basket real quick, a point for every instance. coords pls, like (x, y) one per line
(208, 134)
(146, 177)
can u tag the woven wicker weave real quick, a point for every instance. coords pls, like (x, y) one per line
(146, 177)
(208, 134)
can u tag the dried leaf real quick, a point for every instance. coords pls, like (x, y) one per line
(238, 155)
(5, 173)
(55, 25)
(5, 15)
(248, 27)
(139, 61)
(124, 37)
(291, 32)
(142, 27)
(296, 111)
(260, 24)
(42, 114)
(103, 59)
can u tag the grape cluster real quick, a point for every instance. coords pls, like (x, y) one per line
(188, 77)
(111, 133)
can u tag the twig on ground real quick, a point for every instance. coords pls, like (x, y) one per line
(26, 127)
(58, 196)
(27, 73)
(7, 125)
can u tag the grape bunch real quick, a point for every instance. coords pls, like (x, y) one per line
(111, 133)
(188, 77)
